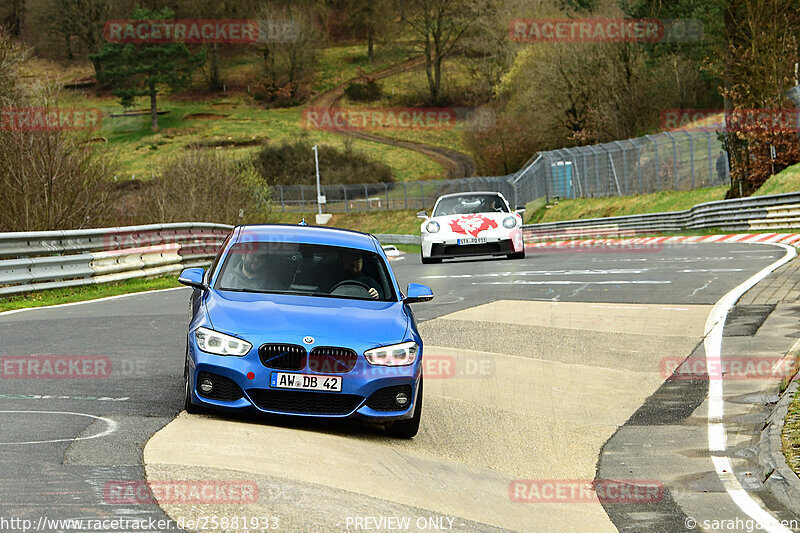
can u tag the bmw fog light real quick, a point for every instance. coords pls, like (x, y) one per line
(401, 399)
(206, 386)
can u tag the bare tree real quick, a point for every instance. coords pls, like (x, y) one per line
(290, 38)
(49, 178)
(439, 26)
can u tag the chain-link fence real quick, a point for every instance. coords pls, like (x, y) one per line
(419, 195)
(680, 160)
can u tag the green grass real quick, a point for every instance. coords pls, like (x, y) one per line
(86, 292)
(583, 208)
(341, 63)
(410, 89)
(399, 221)
(788, 180)
(140, 151)
(790, 435)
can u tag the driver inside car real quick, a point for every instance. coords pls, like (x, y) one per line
(350, 266)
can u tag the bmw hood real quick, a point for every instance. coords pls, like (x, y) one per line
(326, 319)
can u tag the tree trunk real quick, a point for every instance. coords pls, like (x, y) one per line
(370, 43)
(213, 69)
(153, 108)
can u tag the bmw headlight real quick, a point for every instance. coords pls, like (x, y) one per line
(394, 355)
(218, 343)
(509, 222)
(432, 226)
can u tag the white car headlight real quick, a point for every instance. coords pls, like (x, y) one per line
(394, 355)
(218, 343)
(509, 222)
(432, 226)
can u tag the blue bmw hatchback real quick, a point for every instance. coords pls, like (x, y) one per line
(304, 321)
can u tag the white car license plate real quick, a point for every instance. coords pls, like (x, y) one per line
(283, 380)
(472, 240)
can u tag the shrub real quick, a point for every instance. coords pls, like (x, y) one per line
(204, 186)
(368, 91)
(293, 164)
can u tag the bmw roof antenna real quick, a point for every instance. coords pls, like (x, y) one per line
(303, 222)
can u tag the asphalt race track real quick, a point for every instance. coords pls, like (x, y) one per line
(554, 354)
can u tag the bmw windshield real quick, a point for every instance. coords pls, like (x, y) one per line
(306, 269)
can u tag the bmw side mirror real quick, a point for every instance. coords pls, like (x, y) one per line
(193, 277)
(418, 293)
(422, 214)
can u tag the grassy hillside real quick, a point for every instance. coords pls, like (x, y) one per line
(788, 180)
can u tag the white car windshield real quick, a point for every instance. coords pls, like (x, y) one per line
(470, 203)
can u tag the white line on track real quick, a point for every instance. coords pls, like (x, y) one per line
(117, 297)
(541, 273)
(567, 282)
(111, 427)
(717, 437)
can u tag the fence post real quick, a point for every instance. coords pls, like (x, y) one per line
(655, 149)
(386, 188)
(624, 165)
(674, 158)
(346, 203)
(405, 194)
(302, 197)
(366, 197)
(639, 164)
(710, 163)
(691, 154)
(283, 206)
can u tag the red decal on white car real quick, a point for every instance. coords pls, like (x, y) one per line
(472, 224)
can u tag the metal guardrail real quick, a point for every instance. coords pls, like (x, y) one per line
(756, 213)
(32, 261)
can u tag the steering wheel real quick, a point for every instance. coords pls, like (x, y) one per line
(354, 283)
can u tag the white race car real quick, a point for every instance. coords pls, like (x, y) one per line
(469, 224)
